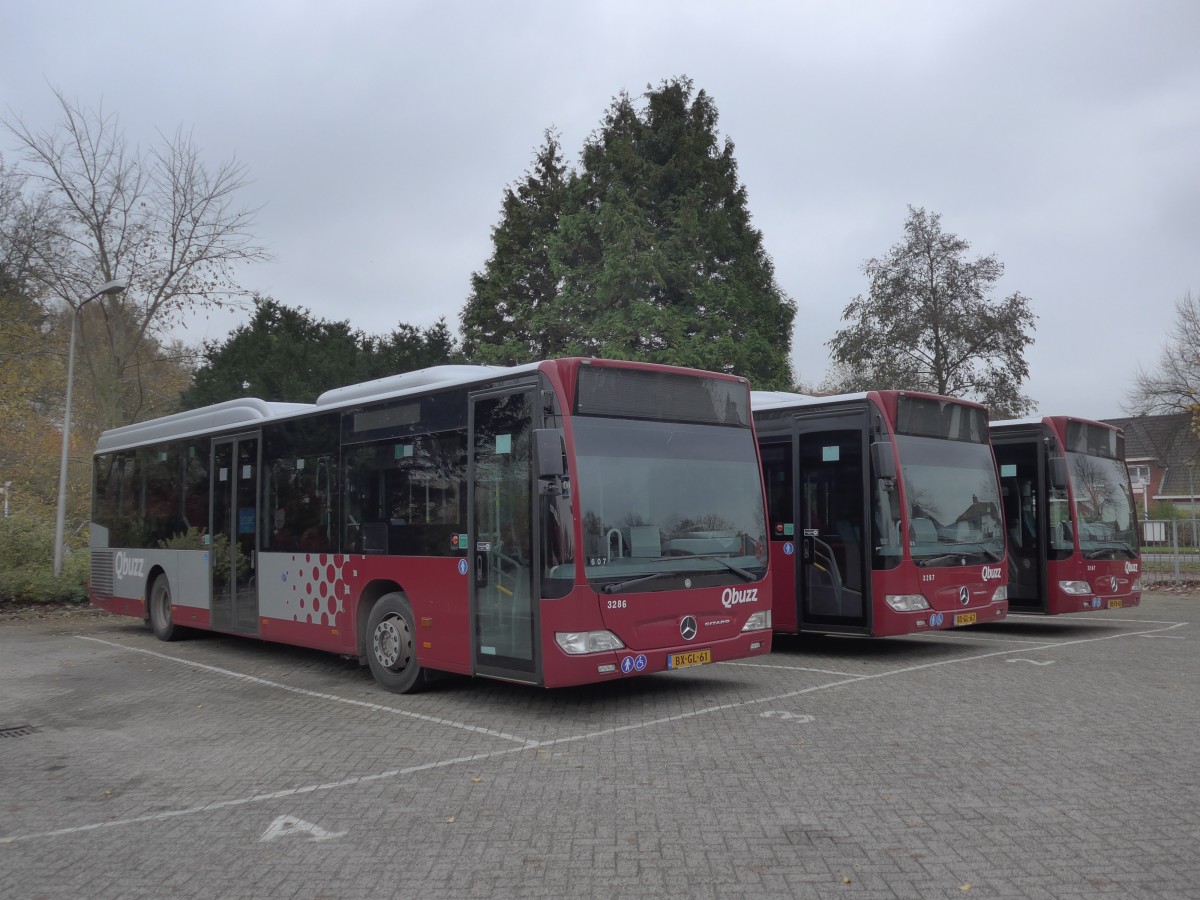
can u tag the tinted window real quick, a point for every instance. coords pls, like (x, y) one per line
(408, 496)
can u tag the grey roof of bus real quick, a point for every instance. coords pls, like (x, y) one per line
(420, 379)
(1028, 420)
(251, 409)
(1038, 420)
(197, 421)
(783, 399)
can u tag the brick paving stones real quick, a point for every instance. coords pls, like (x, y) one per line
(1038, 758)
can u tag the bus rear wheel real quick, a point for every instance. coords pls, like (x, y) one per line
(391, 645)
(160, 611)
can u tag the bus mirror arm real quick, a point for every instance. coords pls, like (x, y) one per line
(551, 469)
(1058, 473)
(883, 460)
(554, 486)
(548, 444)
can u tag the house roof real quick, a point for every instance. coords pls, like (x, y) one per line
(1171, 442)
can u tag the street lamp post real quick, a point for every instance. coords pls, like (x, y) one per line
(115, 286)
(1192, 498)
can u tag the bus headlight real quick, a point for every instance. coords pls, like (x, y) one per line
(1075, 588)
(1001, 594)
(906, 602)
(758, 621)
(1137, 584)
(576, 642)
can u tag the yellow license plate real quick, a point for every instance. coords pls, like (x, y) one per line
(1114, 604)
(690, 658)
(964, 619)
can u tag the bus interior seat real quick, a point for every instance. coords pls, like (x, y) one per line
(645, 541)
(923, 531)
(374, 537)
(852, 570)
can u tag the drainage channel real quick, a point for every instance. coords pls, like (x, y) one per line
(18, 731)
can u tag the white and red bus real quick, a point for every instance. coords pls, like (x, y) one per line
(557, 523)
(884, 511)
(1072, 523)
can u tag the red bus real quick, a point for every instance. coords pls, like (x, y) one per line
(884, 509)
(557, 523)
(1072, 523)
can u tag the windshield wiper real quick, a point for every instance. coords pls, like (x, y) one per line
(745, 574)
(934, 560)
(991, 554)
(613, 586)
(1109, 547)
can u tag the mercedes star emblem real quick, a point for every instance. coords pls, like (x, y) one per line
(687, 627)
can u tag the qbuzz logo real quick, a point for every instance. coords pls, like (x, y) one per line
(991, 573)
(731, 597)
(128, 566)
(1131, 568)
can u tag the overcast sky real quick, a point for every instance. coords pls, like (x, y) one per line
(1062, 136)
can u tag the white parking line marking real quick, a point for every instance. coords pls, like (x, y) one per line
(439, 764)
(379, 707)
(1034, 662)
(746, 665)
(968, 636)
(259, 798)
(1067, 618)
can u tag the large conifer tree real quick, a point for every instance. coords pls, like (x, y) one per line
(509, 316)
(652, 253)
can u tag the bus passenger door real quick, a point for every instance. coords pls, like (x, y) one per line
(234, 532)
(501, 527)
(1023, 489)
(834, 531)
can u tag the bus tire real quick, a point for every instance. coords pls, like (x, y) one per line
(160, 611)
(392, 645)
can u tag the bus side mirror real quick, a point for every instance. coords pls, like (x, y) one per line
(548, 444)
(1058, 473)
(883, 460)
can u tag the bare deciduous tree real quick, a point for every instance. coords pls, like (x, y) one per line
(162, 220)
(1174, 385)
(928, 324)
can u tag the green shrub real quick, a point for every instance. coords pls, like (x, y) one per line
(27, 563)
(1165, 509)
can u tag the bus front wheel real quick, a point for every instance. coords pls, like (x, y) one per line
(391, 645)
(160, 611)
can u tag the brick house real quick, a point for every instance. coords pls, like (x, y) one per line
(1163, 457)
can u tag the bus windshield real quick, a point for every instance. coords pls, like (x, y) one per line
(953, 501)
(668, 505)
(1103, 507)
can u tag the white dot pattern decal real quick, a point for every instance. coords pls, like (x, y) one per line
(318, 589)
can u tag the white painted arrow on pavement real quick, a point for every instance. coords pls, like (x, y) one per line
(788, 716)
(285, 826)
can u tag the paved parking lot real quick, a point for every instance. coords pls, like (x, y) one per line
(1037, 758)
